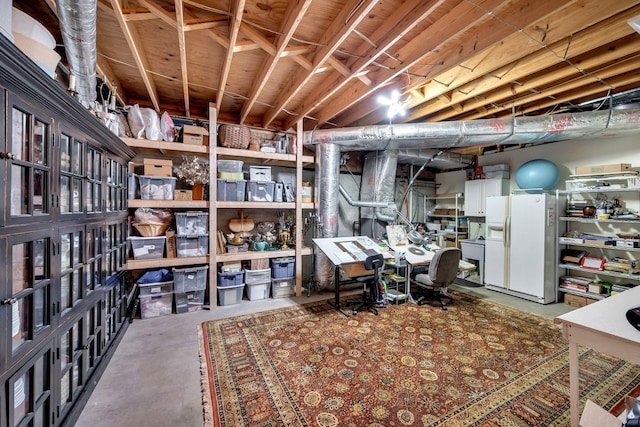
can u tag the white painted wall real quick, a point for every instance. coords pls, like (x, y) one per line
(567, 155)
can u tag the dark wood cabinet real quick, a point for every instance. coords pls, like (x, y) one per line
(63, 246)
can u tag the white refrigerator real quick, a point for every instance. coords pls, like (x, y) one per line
(521, 246)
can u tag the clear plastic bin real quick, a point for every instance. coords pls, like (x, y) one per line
(231, 190)
(230, 165)
(257, 291)
(147, 247)
(191, 223)
(230, 295)
(260, 191)
(187, 246)
(190, 279)
(155, 288)
(156, 305)
(281, 288)
(257, 276)
(187, 302)
(156, 187)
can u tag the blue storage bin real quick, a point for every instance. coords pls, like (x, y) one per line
(282, 268)
(232, 278)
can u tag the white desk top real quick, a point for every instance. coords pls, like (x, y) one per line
(607, 316)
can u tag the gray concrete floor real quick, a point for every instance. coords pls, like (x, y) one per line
(153, 378)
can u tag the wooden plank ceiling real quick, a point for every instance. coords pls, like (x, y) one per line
(268, 63)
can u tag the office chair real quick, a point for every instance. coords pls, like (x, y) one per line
(443, 270)
(371, 296)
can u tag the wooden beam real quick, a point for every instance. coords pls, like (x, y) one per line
(292, 18)
(406, 17)
(168, 18)
(133, 40)
(342, 26)
(234, 28)
(258, 38)
(183, 55)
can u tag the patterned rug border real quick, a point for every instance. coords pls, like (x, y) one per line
(211, 402)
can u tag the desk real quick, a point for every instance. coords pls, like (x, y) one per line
(346, 250)
(603, 327)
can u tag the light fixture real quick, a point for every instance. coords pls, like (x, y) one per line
(635, 23)
(395, 104)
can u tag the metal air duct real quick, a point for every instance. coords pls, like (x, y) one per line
(78, 26)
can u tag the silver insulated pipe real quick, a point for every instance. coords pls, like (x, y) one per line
(78, 26)
(327, 183)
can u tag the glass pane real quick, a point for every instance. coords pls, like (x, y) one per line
(77, 285)
(65, 194)
(19, 190)
(76, 195)
(97, 169)
(89, 197)
(41, 259)
(77, 337)
(39, 192)
(97, 198)
(41, 418)
(65, 291)
(77, 247)
(20, 264)
(77, 378)
(90, 277)
(40, 376)
(19, 322)
(20, 135)
(40, 143)
(65, 391)
(65, 350)
(65, 251)
(77, 158)
(39, 307)
(65, 153)
(21, 401)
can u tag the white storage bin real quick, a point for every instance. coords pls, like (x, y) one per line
(257, 276)
(257, 291)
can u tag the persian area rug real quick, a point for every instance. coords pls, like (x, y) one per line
(477, 364)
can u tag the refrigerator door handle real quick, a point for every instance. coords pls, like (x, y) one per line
(507, 232)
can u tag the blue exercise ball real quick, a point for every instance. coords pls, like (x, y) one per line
(539, 173)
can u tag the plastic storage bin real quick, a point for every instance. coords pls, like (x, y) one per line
(147, 247)
(155, 288)
(187, 246)
(257, 291)
(187, 302)
(156, 187)
(156, 305)
(192, 222)
(260, 191)
(230, 165)
(257, 276)
(132, 187)
(281, 288)
(231, 190)
(190, 279)
(282, 268)
(231, 278)
(230, 295)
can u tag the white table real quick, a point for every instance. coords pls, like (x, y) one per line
(602, 326)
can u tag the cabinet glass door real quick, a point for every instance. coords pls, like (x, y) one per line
(94, 180)
(72, 365)
(28, 290)
(71, 175)
(29, 393)
(29, 165)
(72, 243)
(93, 265)
(116, 185)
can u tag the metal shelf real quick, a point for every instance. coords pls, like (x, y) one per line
(605, 247)
(603, 272)
(595, 221)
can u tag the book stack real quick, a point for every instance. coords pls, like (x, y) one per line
(576, 283)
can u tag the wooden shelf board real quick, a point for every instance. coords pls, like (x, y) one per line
(250, 255)
(188, 204)
(254, 205)
(164, 146)
(143, 264)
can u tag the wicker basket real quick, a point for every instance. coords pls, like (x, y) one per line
(234, 136)
(150, 229)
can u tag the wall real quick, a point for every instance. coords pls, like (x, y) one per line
(567, 155)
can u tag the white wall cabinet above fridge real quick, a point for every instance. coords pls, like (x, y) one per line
(477, 191)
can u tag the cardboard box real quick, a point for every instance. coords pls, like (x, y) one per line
(589, 170)
(157, 167)
(194, 135)
(595, 416)
(182, 195)
(171, 243)
(355, 270)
